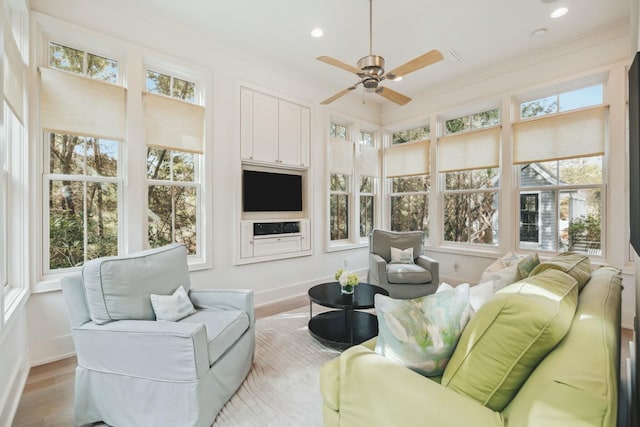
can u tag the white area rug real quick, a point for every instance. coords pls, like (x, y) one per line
(283, 387)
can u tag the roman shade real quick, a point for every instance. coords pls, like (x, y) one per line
(80, 105)
(469, 150)
(341, 156)
(173, 124)
(368, 161)
(561, 136)
(407, 159)
(14, 71)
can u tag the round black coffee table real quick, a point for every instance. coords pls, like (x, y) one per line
(345, 326)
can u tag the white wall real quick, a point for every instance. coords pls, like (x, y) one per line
(14, 364)
(48, 328)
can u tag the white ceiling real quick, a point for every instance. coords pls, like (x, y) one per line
(480, 33)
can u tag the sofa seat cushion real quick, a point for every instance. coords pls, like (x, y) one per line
(120, 287)
(407, 273)
(575, 265)
(224, 328)
(510, 335)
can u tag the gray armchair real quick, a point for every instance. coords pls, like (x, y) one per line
(136, 371)
(402, 280)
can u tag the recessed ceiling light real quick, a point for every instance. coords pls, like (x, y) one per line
(317, 32)
(397, 79)
(561, 11)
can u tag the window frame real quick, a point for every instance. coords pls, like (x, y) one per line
(46, 273)
(388, 181)
(197, 260)
(558, 188)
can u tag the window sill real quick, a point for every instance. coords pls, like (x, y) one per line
(490, 252)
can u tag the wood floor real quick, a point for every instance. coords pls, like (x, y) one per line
(47, 400)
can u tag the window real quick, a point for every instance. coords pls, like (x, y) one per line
(4, 199)
(408, 179)
(83, 124)
(560, 155)
(468, 162)
(83, 193)
(368, 162)
(561, 102)
(173, 170)
(339, 182)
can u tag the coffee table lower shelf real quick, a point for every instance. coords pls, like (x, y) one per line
(332, 327)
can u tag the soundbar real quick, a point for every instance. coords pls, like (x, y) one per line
(266, 228)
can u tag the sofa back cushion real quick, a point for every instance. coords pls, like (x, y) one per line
(509, 336)
(120, 287)
(575, 265)
(381, 241)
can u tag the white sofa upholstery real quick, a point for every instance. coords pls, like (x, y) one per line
(143, 372)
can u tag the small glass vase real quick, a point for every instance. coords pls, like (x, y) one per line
(347, 289)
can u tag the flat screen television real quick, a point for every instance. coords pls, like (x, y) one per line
(271, 192)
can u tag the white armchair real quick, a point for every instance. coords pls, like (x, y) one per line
(136, 371)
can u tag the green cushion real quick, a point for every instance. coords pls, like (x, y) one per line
(510, 335)
(527, 264)
(575, 265)
(422, 333)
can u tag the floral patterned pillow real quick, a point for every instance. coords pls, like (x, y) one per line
(422, 333)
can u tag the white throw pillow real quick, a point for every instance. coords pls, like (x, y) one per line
(401, 256)
(172, 307)
(480, 294)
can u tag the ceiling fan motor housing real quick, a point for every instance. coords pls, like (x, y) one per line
(372, 65)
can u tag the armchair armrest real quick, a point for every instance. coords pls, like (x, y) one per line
(169, 351)
(377, 269)
(432, 265)
(375, 391)
(236, 299)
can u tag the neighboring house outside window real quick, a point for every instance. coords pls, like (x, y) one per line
(563, 169)
(469, 165)
(408, 179)
(173, 175)
(82, 176)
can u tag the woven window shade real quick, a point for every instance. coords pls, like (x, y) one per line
(341, 156)
(407, 159)
(369, 161)
(470, 150)
(81, 105)
(563, 136)
(14, 71)
(173, 124)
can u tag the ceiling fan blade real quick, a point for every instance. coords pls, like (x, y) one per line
(415, 64)
(332, 61)
(337, 95)
(392, 95)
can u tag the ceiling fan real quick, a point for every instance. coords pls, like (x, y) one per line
(370, 70)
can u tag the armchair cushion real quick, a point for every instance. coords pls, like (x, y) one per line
(509, 336)
(120, 288)
(407, 273)
(224, 328)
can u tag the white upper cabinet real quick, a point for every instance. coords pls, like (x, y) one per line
(273, 130)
